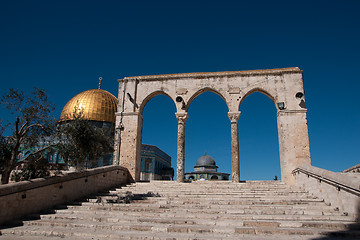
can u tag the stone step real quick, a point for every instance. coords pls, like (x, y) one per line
(213, 204)
(209, 200)
(176, 232)
(212, 189)
(192, 215)
(213, 195)
(206, 195)
(105, 216)
(215, 226)
(229, 209)
(321, 208)
(212, 185)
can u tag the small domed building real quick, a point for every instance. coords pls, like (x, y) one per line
(206, 169)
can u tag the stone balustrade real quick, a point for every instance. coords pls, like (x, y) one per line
(340, 190)
(23, 198)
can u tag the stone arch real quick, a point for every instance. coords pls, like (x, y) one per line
(152, 95)
(272, 96)
(203, 90)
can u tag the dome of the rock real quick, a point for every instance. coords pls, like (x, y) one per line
(94, 104)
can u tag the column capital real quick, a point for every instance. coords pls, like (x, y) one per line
(234, 116)
(181, 117)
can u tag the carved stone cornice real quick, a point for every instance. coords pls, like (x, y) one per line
(234, 116)
(278, 71)
(291, 112)
(181, 117)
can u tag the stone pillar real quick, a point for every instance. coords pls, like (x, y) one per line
(128, 148)
(181, 117)
(235, 164)
(293, 142)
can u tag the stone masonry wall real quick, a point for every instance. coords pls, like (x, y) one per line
(20, 199)
(340, 190)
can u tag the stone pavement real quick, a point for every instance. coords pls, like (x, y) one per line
(198, 210)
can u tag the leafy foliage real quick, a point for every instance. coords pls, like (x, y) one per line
(81, 142)
(32, 122)
(35, 167)
(5, 153)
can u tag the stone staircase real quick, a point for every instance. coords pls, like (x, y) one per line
(197, 210)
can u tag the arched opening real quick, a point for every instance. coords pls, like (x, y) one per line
(208, 131)
(201, 91)
(191, 177)
(258, 138)
(214, 177)
(159, 138)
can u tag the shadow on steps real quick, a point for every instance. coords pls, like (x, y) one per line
(353, 231)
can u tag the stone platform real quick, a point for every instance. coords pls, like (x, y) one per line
(198, 210)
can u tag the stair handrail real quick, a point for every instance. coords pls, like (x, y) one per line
(345, 182)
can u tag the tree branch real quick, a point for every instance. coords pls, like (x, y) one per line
(23, 126)
(28, 128)
(17, 127)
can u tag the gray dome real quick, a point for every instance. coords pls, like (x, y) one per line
(205, 160)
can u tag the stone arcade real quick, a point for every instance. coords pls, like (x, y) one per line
(283, 86)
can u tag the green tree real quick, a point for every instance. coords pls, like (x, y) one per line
(32, 123)
(81, 142)
(5, 150)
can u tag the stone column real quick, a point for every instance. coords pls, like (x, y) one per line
(235, 164)
(181, 117)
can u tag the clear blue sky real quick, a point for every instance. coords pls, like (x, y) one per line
(64, 46)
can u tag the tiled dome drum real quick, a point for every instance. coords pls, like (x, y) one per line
(95, 104)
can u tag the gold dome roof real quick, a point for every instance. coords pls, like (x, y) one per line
(95, 104)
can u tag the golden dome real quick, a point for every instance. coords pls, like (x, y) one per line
(95, 104)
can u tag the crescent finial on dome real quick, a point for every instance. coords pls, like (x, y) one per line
(100, 78)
